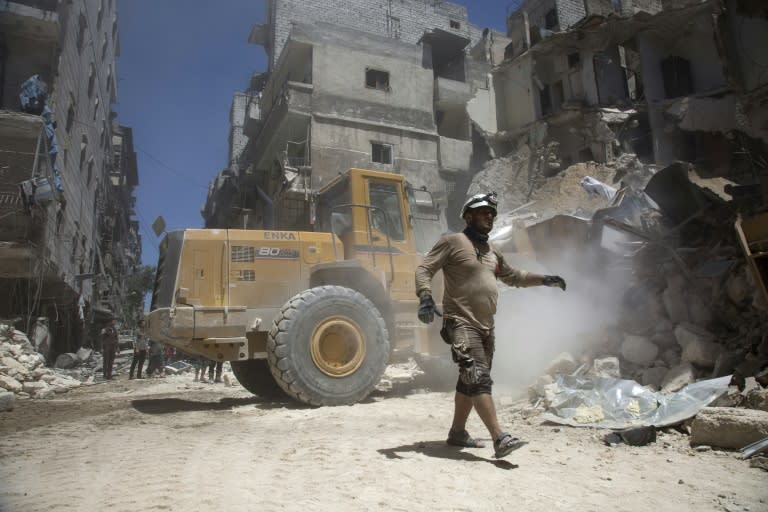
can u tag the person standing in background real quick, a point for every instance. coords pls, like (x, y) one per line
(140, 346)
(109, 342)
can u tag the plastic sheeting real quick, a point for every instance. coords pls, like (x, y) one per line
(619, 404)
(596, 188)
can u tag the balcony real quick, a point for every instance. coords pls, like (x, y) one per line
(290, 114)
(454, 155)
(34, 19)
(253, 122)
(21, 148)
(451, 93)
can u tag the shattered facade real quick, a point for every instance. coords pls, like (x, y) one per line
(666, 81)
(67, 171)
(347, 89)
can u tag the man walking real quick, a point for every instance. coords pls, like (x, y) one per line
(139, 351)
(471, 267)
(109, 341)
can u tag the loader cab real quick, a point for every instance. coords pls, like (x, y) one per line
(380, 223)
(384, 204)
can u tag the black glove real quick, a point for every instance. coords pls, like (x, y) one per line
(554, 281)
(426, 309)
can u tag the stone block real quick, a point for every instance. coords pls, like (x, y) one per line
(702, 353)
(726, 363)
(46, 393)
(34, 387)
(66, 361)
(698, 310)
(639, 350)
(678, 377)
(686, 333)
(65, 382)
(757, 399)
(674, 303)
(9, 383)
(664, 339)
(728, 427)
(606, 367)
(653, 377)
(562, 364)
(7, 401)
(671, 357)
(84, 354)
(15, 368)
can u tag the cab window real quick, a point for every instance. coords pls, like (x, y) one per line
(386, 198)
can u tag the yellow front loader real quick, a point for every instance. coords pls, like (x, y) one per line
(319, 313)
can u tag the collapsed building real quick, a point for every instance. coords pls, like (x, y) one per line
(669, 80)
(68, 236)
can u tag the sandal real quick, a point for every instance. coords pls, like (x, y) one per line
(506, 444)
(463, 439)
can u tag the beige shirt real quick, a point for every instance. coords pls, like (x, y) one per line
(470, 271)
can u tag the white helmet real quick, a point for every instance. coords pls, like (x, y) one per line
(479, 200)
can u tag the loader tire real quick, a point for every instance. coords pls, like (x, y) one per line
(255, 376)
(328, 346)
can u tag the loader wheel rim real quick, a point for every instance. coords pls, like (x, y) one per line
(338, 346)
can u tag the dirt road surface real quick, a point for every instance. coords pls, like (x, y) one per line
(172, 444)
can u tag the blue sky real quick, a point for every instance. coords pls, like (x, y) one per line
(180, 62)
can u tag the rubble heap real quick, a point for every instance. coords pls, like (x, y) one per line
(23, 373)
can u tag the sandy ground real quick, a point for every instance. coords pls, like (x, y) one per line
(172, 444)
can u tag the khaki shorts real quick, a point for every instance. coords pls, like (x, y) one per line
(472, 349)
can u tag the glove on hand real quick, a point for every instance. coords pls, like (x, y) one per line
(427, 309)
(554, 281)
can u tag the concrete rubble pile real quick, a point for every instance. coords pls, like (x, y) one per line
(23, 373)
(693, 308)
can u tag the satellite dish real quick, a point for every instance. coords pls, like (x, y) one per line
(159, 226)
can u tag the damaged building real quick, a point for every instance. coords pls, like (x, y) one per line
(400, 87)
(589, 80)
(68, 237)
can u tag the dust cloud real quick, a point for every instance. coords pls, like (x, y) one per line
(534, 325)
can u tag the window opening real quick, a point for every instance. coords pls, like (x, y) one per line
(381, 153)
(455, 25)
(550, 19)
(386, 197)
(377, 79)
(573, 59)
(82, 24)
(394, 27)
(545, 100)
(91, 79)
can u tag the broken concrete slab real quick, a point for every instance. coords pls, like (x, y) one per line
(678, 377)
(728, 427)
(7, 401)
(639, 350)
